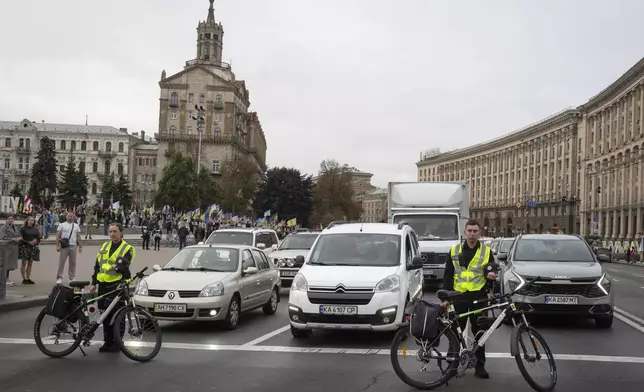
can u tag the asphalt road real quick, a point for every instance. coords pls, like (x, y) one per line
(262, 355)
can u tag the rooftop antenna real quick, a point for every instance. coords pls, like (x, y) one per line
(86, 119)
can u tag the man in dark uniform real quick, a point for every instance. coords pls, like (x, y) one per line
(470, 267)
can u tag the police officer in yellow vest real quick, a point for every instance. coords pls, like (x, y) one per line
(472, 264)
(112, 266)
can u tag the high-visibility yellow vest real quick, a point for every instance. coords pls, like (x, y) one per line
(108, 273)
(471, 278)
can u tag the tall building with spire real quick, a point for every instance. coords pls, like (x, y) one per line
(228, 128)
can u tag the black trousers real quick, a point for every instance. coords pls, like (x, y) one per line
(146, 241)
(464, 307)
(182, 242)
(157, 243)
(103, 304)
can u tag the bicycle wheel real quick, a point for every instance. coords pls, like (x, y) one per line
(60, 327)
(135, 321)
(423, 356)
(520, 348)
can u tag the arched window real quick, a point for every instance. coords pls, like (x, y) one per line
(217, 132)
(108, 166)
(173, 129)
(108, 146)
(94, 167)
(174, 100)
(73, 144)
(93, 188)
(121, 147)
(120, 167)
(83, 145)
(95, 146)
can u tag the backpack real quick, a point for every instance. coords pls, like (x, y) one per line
(424, 321)
(59, 302)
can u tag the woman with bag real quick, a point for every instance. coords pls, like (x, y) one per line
(29, 250)
(9, 233)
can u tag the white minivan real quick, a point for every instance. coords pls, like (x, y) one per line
(357, 276)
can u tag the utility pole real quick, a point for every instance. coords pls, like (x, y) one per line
(201, 121)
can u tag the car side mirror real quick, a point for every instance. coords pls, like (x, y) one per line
(156, 268)
(250, 271)
(299, 259)
(416, 263)
(260, 245)
(502, 257)
(274, 247)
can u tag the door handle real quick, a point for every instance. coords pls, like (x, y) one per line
(258, 282)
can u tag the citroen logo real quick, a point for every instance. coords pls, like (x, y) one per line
(340, 288)
(171, 295)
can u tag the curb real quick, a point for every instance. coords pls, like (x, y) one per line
(27, 303)
(638, 264)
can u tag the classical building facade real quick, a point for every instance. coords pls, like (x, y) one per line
(576, 171)
(143, 168)
(374, 206)
(228, 129)
(96, 149)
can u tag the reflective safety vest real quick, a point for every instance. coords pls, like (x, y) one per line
(471, 278)
(108, 272)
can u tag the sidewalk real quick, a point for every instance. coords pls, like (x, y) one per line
(98, 239)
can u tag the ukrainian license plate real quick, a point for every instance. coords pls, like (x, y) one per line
(556, 300)
(428, 272)
(288, 273)
(339, 310)
(170, 308)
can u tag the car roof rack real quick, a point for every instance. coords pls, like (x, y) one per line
(302, 230)
(338, 222)
(402, 224)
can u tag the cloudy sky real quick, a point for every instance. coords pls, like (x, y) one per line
(367, 82)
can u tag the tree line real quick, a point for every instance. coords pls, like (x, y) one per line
(243, 189)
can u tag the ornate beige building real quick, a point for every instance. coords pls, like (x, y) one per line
(143, 168)
(576, 171)
(229, 129)
(374, 206)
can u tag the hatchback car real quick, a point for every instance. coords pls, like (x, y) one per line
(215, 283)
(571, 279)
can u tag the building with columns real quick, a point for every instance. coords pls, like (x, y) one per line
(229, 130)
(577, 171)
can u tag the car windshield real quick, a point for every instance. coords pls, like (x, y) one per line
(552, 250)
(359, 249)
(298, 241)
(231, 237)
(432, 227)
(204, 259)
(505, 245)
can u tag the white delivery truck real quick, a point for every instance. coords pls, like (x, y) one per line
(437, 211)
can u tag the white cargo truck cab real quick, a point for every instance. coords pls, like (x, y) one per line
(437, 211)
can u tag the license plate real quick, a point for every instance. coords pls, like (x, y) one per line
(428, 272)
(288, 273)
(339, 310)
(562, 300)
(170, 308)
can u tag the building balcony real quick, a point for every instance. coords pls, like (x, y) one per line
(23, 150)
(219, 64)
(22, 172)
(106, 154)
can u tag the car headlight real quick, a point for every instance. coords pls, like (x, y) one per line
(290, 263)
(390, 284)
(299, 283)
(212, 290)
(281, 262)
(604, 284)
(515, 282)
(142, 288)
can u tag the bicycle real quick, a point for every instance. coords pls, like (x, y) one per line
(459, 357)
(85, 330)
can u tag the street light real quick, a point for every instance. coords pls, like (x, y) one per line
(201, 120)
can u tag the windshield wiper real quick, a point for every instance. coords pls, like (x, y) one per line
(203, 269)
(318, 263)
(173, 269)
(428, 237)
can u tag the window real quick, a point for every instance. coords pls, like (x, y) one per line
(217, 132)
(81, 167)
(119, 167)
(20, 160)
(94, 167)
(174, 100)
(231, 237)
(298, 242)
(108, 166)
(173, 130)
(7, 163)
(7, 142)
(140, 161)
(27, 144)
(191, 97)
(247, 259)
(557, 250)
(147, 161)
(259, 260)
(61, 169)
(108, 146)
(73, 144)
(95, 146)
(121, 147)
(357, 249)
(63, 144)
(83, 145)
(154, 162)
(214, 259)
(174, 116)
(21, 143)
(93, 188)
(216, 167)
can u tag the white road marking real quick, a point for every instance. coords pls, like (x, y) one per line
(615, 280)
(629, 322)
(630, 315)
(267, 336)
(354, 351)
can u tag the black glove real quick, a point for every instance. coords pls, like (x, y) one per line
(122, 265)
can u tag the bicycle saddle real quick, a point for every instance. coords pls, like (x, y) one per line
(79, 283)
(444, 295)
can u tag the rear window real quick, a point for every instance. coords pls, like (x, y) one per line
(552, 250)
(230, 237)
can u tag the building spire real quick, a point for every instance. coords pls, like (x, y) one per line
(211, 12)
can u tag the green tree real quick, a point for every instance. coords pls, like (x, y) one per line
(122, 188)
(109, 192)
(333, 194)
(16, 191)
(44, 174)
(239, 181)
(181, 188)
(287, 192)
(72, 187)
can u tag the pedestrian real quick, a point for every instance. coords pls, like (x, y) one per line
(183, 235)
(112, 266)
(145, 234)
(9, 233)
(68, 243)
(157, 238)
(29, 250)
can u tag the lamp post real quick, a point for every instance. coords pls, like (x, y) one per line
(201, 120)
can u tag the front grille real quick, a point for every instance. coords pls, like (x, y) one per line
(157, 293)
(434, 258)
(340, 295)
(555, 309)
(584, 290)
(189, 293)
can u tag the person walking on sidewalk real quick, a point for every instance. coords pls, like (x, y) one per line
(68, 242)
(9, 233)
(29, 250)
(112, 266)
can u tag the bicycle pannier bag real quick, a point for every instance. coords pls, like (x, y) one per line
(59, 302)
(424, 320)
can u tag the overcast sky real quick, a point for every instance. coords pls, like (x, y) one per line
(367, 82)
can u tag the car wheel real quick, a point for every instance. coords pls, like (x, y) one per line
(271, 306)
(604, 321)
(234, 311)
(300, 333)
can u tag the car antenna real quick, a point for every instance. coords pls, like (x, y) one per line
(361, 224)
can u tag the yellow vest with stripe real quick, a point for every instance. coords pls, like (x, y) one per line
(471, 278)
(107, 272)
